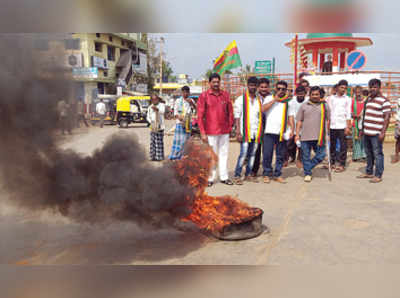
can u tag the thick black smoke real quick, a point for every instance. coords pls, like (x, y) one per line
(116, 183)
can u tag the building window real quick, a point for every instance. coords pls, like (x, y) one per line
(98, 35)
(110, 38)
(98, 47)
(111, 53)
(72, 44)
(105, 72)
(100, 88)
(41, 44)
(123, 42)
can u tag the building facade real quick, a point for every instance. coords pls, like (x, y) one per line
(99, 63)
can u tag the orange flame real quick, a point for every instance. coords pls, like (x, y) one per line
(207, 212)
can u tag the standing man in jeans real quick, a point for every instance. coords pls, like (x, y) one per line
(340, 108)
(279, 127)
(312, 122)
(248, 121)
(375, 123)
(263, 92)
(215, 118)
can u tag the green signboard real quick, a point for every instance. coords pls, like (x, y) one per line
(263, 67)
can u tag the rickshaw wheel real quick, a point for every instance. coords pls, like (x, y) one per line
(123, 124)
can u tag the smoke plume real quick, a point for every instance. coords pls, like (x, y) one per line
(116, 183)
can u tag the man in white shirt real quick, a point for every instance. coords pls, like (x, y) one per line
(295, 104)
(263, 92)
(340, 107)
(101, 111)
(397, 132)
(155, 116)
(248, 122)
(183, 109)
(279, 127)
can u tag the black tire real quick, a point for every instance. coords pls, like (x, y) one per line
(123, 123)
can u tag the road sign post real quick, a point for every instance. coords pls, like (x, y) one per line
(263, 67)
(356, 60)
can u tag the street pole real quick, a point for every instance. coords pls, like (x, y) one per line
(161, 61)
(295, 61)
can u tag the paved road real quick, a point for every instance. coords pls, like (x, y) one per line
(346, 221)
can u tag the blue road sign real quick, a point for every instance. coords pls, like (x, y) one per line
(356, 60)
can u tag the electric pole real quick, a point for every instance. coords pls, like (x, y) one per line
(161, 62)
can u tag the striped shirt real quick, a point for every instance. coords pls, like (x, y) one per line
(375, 110)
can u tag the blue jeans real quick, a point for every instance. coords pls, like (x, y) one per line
(373, 149)
(270, 140)
(246, 150)
(308, 163)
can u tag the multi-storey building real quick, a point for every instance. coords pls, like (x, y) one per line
(98, 62)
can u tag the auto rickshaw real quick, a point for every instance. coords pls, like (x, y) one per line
(131, 109)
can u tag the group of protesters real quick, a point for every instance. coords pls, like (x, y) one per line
(268, 123)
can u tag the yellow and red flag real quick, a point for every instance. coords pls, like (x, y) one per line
(229, 59)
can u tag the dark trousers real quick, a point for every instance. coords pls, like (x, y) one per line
(81, 118)
(65, 123)
(257, 160)
(337, 135)
(270, 141)
(373, 149)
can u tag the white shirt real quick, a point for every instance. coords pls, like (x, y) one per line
(398, 110)
(182, 107)
(151, 115)
(340, 108)
(296, 106)
(101, 108)
(273, 118)
(254, 111)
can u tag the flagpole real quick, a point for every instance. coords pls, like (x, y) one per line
(295, 60)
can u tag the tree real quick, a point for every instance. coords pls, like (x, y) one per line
(208, 73)
(167, 70)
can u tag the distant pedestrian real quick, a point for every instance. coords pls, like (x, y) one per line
(312, 122)
(183, 110)
(155, 116)
(215, 118)
(375, 122)
(357, 109)
(81, 114)
(101, 111)
(64, 113)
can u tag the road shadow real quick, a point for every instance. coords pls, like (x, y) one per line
(35, 242)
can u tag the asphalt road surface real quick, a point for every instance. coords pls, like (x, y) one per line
(346, 221)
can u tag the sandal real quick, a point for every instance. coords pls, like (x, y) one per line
(339, 169)
(375, 180)
(363, 176)
(237, 181)
(266, 179)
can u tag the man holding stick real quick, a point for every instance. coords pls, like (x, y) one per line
(312, 122)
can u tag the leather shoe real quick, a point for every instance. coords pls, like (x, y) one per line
(227, 182)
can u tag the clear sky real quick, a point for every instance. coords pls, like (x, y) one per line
(192, 53)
